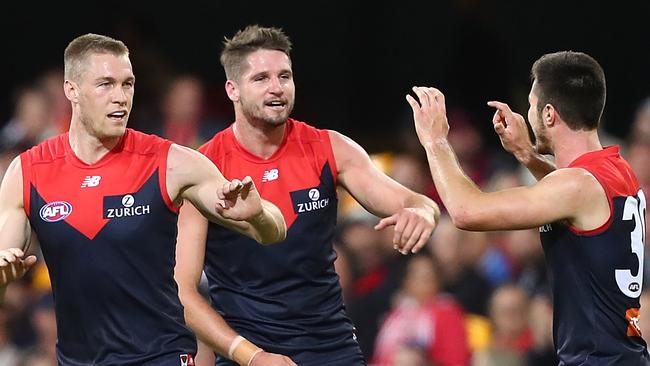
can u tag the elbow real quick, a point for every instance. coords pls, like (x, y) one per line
(185, 296)
(185, 292)
(464, 219)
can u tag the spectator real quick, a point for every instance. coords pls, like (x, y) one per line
(423, 316)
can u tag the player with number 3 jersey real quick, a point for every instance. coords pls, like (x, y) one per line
(590, 210)
(601, 270)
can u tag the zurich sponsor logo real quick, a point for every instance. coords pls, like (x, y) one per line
(128, 200)
(308, 200)
(116, 207)
(314, 194)
(55, 211)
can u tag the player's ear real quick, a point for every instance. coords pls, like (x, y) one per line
(232, 89)
(549, 115)
(71, 90)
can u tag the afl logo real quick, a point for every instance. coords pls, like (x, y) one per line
(55, 211)
(634, 287)
(128, 200)
(314, 194)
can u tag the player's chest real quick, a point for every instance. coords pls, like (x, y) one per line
(298, 186)
(88, 199)
(281, 176)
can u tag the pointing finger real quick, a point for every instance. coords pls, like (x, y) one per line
(503, 107)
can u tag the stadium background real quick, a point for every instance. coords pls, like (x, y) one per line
(354, 61)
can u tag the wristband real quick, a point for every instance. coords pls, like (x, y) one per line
(242, 351)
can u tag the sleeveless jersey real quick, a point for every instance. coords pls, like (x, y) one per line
(284, 297)
(597, 275)
(108, 234)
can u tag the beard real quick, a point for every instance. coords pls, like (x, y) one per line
(542, 143)
(257, 112)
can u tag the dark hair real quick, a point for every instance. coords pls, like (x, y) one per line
(83, 46)
(574, 83)
(247, 41)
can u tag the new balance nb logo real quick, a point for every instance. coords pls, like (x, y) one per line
(270, 175)
(91, 181)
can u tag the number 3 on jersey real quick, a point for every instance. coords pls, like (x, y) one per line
(635, 208)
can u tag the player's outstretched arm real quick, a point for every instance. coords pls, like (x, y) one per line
(513, 133)
(234, 204)
(206, 323)
(413, 215)
(14, 228)
(566, 194)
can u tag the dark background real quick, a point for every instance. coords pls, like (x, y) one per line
(353, 61)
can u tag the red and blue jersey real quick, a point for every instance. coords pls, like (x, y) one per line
(285, 297)
(108, 235)
(597, 275)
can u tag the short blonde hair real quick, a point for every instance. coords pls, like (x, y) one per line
(83, 46)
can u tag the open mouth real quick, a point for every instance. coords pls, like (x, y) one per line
(117, 116)
(276, 104)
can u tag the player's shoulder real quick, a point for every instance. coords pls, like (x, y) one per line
(571, 178)
(299, 130)
(143, 143)
(575, 187)
(611, 170)
(48, 150)
(217, 142)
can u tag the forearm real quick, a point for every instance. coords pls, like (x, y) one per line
(206, 323)
(536, 163)
(269, 225)
(457, 190)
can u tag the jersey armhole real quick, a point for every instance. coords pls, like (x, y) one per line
(26, 168)
(606, 224)
(162, 177)
(330, 157)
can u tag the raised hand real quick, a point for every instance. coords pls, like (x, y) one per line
(512, 130)
(413, 227)
(13, 266)
(430, 114)
(239, 199)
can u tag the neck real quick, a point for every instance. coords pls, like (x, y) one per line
(86, 146)
(261, 139)
(574, 144)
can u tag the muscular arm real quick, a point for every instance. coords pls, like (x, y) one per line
(414, 215)
(206, 323)
(193, 177)
(566, 194)
(15, 230)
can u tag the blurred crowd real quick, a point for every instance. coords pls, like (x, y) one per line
(468, 298)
